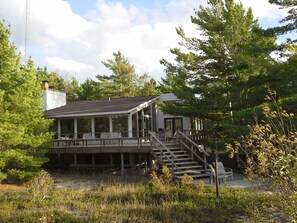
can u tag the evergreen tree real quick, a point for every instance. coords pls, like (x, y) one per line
(213, 77)
(22, 124)
(123, 82)
(123, 76)
(291, 19)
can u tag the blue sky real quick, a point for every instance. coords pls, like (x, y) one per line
(73, 37)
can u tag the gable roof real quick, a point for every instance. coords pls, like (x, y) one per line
(114, 106)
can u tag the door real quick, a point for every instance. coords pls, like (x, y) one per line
(172, 125)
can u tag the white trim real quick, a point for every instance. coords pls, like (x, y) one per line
(130, 125)
(75, 128)
(110, 124)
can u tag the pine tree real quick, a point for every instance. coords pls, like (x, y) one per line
(213, 76)
(123, 82)
(291, 19)
(22, 123)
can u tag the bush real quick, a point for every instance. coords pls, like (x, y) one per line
(19, 176)
(271, 152)
(3, 176)
(19, 165)
(40, 187)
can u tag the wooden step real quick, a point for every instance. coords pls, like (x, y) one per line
(181, 163)
(191, 167)
(174, 152)
(178, 159)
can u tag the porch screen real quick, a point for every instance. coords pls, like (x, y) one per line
(101, 124)
(84, 125)
(67, 128)
(120, 124)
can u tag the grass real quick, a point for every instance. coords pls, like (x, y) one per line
(134, 202)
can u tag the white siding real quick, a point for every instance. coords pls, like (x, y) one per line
(161, 116)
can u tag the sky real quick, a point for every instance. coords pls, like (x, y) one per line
(73, 37)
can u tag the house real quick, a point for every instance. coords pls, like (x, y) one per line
(115, 133)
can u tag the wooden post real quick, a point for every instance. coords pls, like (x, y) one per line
(59, 128)
(122, 164)
(216, 170)
(75, 160)
(111, 159)
(93, 160)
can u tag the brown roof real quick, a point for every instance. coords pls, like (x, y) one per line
(99, 107)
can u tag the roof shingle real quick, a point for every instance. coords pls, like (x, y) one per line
(99, 107)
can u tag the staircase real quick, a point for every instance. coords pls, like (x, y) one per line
(181, 156)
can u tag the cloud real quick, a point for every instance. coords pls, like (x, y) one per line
(262, 9)
(67, 65)
(75, 44)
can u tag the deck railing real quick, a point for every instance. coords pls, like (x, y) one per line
(163, 150)
(194, 149)
(102, 139)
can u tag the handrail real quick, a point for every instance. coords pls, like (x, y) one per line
(96, 142)
(170, 158)
(159, 141)
(200, 148)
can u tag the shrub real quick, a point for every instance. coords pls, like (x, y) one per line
(19, 165)
(3, 176)
(200, 187)
(270, 150)
(40, 187)
(186, 180)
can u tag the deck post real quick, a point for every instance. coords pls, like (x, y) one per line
(59, 128)
(93, 127)
(145, 161)
(142, 122)
(110, 124)
(152, 123)
(93, 160)
(122, 164)
(111, 159)
(75, 159)
(137, 125)
(75, 128)
(130, 125)
(131, 160)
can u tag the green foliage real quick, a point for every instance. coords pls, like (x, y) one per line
(290, 20)
(3, 176)
(19, 165)
(270, 151)
(68, 85)
(134, 203)
(186, 180)
(123, 82)
(214, 77)
(22, 123)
